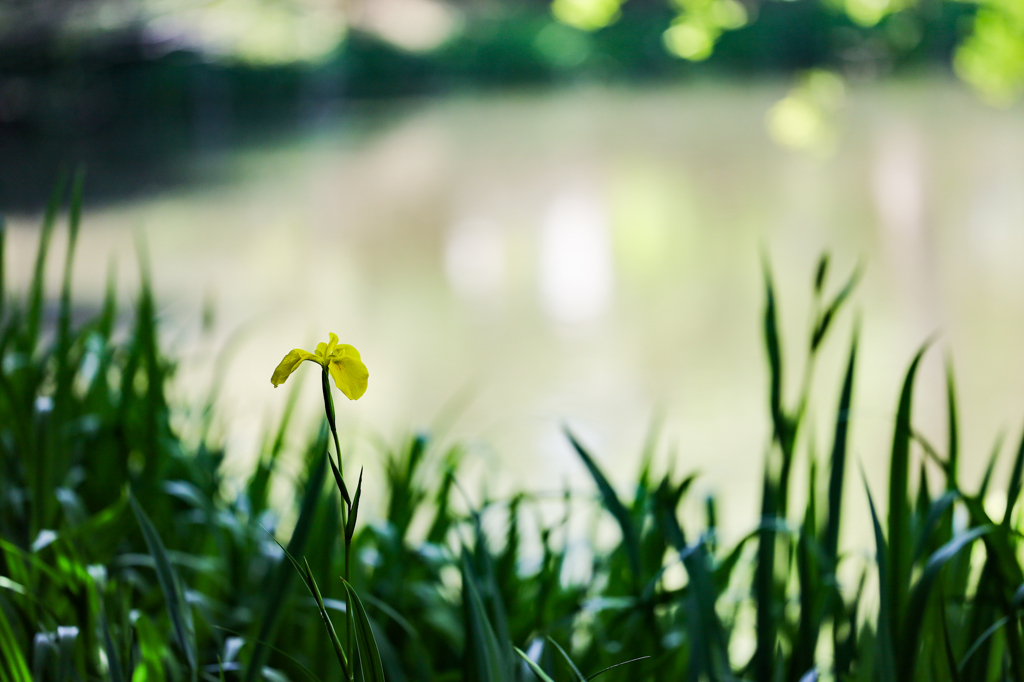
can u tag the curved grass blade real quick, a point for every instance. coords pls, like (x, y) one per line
(315, 591)
(951, 664)
(900, 542)
(1013, 493)
(986, 479)
(13, 667)
(177, 609)
(307, 578)
(572, 665)
(366, 646)
(709, 651)
(485, 658)
(838, 462)
(919, 595)
(114, 668)
(613, 504)
(952, 426)
(35, 296)
(611, 667)
(74, 219)
(826, 317)
(537, 670)
(886, 653)
(936, 511)
(992, 629)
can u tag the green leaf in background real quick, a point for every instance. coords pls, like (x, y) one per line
(885, 657)
(919, 598)
(838, 460)
(612, 504)
(1015, 483)
(485, 657)
(366, 645)
(179, 612)
(280, 581)
(826, 317)
(35, 295)
(901, 544)
(13, 667)
(114, 667)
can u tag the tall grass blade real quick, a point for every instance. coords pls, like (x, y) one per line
(952, 426)
(1013, 492)
(828, 315)
(612, 504)
(366, 646)
(900, 543)
(768, 609)
(919, 598)
(485, 658)
(74, 219)
(993, 457)
(280, 584)
(838, 460)
(177, 609)
(35, 294)
(947, 645)
(936, 512)
(820, 273)
(13, 667)
(307, 578)
(886, 617)
(709, 658)
(114, 668)
(773, 346)
(812, 589)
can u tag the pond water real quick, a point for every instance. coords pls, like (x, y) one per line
(511, 263)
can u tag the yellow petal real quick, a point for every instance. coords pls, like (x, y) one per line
(289, 364)
(321, 350)
(349, 373)
(331, 345)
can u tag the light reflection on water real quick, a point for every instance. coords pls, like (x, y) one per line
(591, 257)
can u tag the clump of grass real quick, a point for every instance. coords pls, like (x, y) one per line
(123, 557)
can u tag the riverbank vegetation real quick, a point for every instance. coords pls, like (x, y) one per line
(125, 553)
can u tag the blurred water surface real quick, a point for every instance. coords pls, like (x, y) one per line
(509, 263)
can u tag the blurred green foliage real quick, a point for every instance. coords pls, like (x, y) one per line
(126, 555)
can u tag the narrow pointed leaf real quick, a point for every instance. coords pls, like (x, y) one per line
(537, 670)
(350, 528)
(616, 665)
(366, 646)
(900, 543)
(613, 504)
(922, 589)
(177, 609)
(568, 660)
(886, 654)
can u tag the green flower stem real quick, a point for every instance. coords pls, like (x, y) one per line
(346, 509)
(329, 408)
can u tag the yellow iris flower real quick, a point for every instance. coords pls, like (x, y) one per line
(339, 359)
